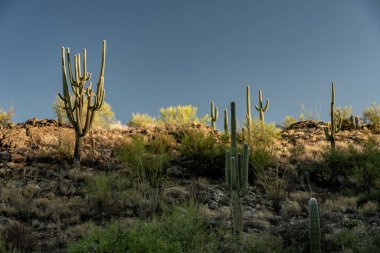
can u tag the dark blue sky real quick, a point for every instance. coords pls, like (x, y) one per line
(162, 53)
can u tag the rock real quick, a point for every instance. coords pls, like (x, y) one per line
(4, 157)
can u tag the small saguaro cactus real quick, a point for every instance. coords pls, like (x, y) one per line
(225, 121)
(80, 116)
(334, 127)
(315, 234)
(236, 172)
(248, 114)
(214, 115)
(260, 108)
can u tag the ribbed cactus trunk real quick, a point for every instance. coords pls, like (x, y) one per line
(225, 121)
(315, 234)
(248, 114)
(334, 126)
(78, 148)
(214, 115)
(237, 213)
(236, 172)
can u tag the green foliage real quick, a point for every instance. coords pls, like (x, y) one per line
(6, 116)
(181, 115)
(357, 240)
(309, 113)
(196, 143)
(261, 144)
(288, 121)
(141, 120)
(184, 230)
(144, 165)
(360, 164)
(103, 118)
(343, 113)
(109, 194)
(372, 116)
(262, 242)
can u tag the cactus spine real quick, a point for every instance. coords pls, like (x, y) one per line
(225, 121)
(236, 172)
(249, 114)
(81, 117)
(214, 115)
(260, 108)
(315, 234)
(334, 127)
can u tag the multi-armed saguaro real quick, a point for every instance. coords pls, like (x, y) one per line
(214, 115)
(236, 172)
(260, 108)
(334, 126)
(79, 115)
(315, 234)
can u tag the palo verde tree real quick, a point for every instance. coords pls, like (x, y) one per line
(80, 116)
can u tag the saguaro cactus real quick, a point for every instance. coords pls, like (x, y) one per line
(248, 114)
(334, 127)
(214, 115)
(225, 121)
(315, 234)
(236, 172)
(81, 117)
(260, 108)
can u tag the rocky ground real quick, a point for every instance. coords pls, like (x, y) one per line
(44, 204)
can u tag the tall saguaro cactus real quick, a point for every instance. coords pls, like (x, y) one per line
(225, 121)
(214, 115)
(334, 127)
(80, 116)
(248, 114)
(315, 234)
(260, 108)
(236, 172)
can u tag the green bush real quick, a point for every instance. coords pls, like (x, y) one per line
(181, 115)
(262, 146)
(288, 121)
(184, 230)
(357, 240)
(144, 165)
(6, 116)
(141, 120)
(372, 116)
(262, 243)
(207, 153)
(109, 195)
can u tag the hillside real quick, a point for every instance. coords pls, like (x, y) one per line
(46, 204)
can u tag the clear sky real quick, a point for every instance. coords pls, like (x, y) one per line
(171, 52)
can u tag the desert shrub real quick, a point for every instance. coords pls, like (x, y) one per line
(183, 230)
(17, 237)
(338, 167)
(261, 143)
(205, 150)
(309, 113)
(343, 113)
(143, 164)
(181, 115)
(104, 118)
(262, 242)
(162, 143)
(6, 116)
(141, 120)
(372, 116)
(288, 121)
(109, 195)
(358, 240)
(19, 201)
